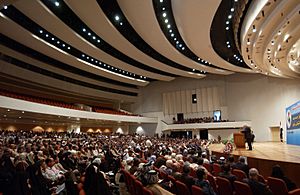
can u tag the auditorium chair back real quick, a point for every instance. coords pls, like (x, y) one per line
(138, 187)
(224, 186)
(242, 188)
(294, 192)
(240, 175)
(181, 188)
(196, 190)
(216, 169)
(212, 181)
(277, 186)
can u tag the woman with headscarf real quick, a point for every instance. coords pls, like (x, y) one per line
(278, 173)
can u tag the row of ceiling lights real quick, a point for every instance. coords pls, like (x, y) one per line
(176, 40)
(84, 56)
(237, 57)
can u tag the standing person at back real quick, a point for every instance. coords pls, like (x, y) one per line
(281, 133)
(248, 136)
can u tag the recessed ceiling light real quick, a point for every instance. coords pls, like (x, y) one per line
(117, 18)
(8, 110)
(41, 31)
(63, 45)
(199, 59)
(232, 9)
(227, 28)
(180, 45)
(177, 42)
(183, 48)
(94, 37)
(228, 46)
(175, 39)
(169, 26)
(229, 16)
(83, 29)
(172, 35)
(52, 39)
(98, 40)
(227, 22)
(20, 117)
(58, 42)
(89, 34)
(279, 33)
(47, 35)
(69, 47)
(227, 42)
(166, 20)
(248, 43)
(5, 7)
(164, 14)
(254, 30)
(23, 112)
(193, 69)
(161, 1)
(56, 3)
(121, 23)
(163, 8)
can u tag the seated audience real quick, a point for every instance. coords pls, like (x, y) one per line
(241, 165)
(152, 184)
(226, 173)
(278, 173)
(257, 187)
(202, 182)
(186, 178)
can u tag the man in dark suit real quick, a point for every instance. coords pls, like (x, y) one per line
(257, 187)
(226, 173)
(248, 136)
(241, 165)
(186, 178)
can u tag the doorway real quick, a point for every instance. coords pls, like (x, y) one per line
(275, 131)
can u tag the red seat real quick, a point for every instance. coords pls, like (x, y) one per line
(216, 169)
(181, 188)
(277, 186)
(242, 188)
(294, 192)
(224, 186)
(196, 190)
(138, 187)
(146, 191)
(240, 175)
(193, 173)
(261, 179)
(212, 181)
(207, 166)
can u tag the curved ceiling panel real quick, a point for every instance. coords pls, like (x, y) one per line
(144, 21)
(26, 59)
(269, 31)
(193, 19)
(16, 32)
(110, 34)
(54, 25)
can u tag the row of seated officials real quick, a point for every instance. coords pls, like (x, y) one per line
(197, 120)
(61, 104)
(223, 177)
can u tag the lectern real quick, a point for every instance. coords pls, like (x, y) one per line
(239, 140)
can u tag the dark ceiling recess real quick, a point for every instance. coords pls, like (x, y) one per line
(167, 23)
(222, 30)
(114, 13)
(65, 13)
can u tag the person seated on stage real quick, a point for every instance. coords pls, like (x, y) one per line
(202, 182)
(226, 173)
(241, 165)
(278, 173)
(257, 187)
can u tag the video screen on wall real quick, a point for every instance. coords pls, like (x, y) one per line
(217, 115)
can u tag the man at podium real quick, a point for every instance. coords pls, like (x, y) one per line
(248, 136)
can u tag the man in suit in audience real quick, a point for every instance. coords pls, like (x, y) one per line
(257, 187)
(241, 165)
(186, 178)
(226, 173)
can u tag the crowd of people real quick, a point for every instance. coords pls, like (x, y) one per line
(68, 163)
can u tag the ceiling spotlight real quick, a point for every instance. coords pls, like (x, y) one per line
(164, 14)
(117, 18)
(279, 33)
(69, 47)
(193, 69)
(248, 43)
(235, 0)
(229, 16)
(63, 45)
(41, 31)
(5, 7)
(170, 30)
(169, 26)
(163, 8)
(89, 34)
(23, 112)
(94, 37)
(227, 28)
(177, 42)
(172, 35)
(121, 23)
(20, 117)
(47, 35)
(199, 59)
(52, 39)
(180, 45)
(227, 22)
(8, 110)
(83, 29)
(254, 30)
(228, 46)
(182, 48)
(58, 42)
(98, 40)
(161, 1)
(166, 20)
(227, 42)
(232, 9)
(56, 3)
(272, 43)
(82, 55)
(234, 55)
(175, 39)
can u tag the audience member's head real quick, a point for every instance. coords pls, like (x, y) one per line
(242, 159)
(201, 174)
(277, 172)
(226, 168)
(186, 169)
(253, 174)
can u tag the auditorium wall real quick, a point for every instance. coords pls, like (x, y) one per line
(257, 98)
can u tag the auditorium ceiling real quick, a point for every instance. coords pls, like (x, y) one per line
(107, 49)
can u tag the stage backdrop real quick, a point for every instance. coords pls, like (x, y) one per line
(293, 124)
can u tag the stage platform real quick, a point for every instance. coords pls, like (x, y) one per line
(267, 154)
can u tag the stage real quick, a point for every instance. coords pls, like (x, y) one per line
(266, 154)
